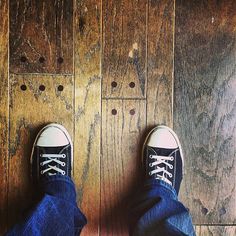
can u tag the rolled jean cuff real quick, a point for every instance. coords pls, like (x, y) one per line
(59, 186)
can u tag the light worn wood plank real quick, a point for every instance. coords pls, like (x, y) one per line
(215, 230)
(88, 111)
(30, 110)
(3, 113)
(123, 122)
(205, 107)
(41, 36)
(124, 48)
(160, 62)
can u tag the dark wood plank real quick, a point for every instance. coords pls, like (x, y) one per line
(41, 36)
(205, 106)
(160, 62)
(216, 230)
(124, 48)
(88, 111)
(123, 122)
(30, 110)
(3, 113)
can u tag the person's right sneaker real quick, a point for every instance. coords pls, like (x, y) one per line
(163, 157)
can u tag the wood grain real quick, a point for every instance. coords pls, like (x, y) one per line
(160, 62)
(30, 110)
(205, 107)
(88, 111)
(215, 230)
(41, 36)
(120, 165)
(4, 124)
(124, 48)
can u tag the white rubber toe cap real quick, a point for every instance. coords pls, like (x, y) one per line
(52, 136)
(163, 137)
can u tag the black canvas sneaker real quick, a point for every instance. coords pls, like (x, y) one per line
(163, 157)
(52, 152)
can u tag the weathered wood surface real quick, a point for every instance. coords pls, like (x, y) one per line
(123, 123)
(205, 106)
(124, 48)
(215, 230)
(3, 113)
(30, 110)
(41, 36)
(160, 62)
(88, 111)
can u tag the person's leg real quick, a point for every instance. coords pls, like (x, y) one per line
(155, 208)
(57, 212)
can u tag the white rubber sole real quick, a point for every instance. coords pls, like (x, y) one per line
(174, 135)
(63, 129)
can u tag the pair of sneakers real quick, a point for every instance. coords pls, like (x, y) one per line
(52, 154)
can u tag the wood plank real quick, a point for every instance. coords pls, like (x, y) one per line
(30, 110)
(160, 62)
(205, 107)
(4, 12)
(215, 230)
(124, 48)
(88, 111)
(123, 122)
(41, 36)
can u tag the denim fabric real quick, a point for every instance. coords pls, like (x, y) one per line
(57, 212)
(156, 211)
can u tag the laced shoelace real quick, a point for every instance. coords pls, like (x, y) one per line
(161, 160)
(53, 158)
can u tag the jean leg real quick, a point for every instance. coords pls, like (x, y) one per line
(157, 211)
(57, 212)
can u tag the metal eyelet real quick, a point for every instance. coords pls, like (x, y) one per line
(63, 155)
(171, 167)
(41, 172)
(41, 163)
(171, 158)
(150, 156)
(150, 173)
(170, 175)
(150, 164)
(63, 173)
(63, 164)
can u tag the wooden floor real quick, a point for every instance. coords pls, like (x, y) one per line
(109, 71)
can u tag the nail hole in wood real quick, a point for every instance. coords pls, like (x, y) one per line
(23, 87)
(131, 84)
(41, 59)
(114, 112)
(60, 60)
(113, 84)
(41, 87)
(204, 211)
(60, 88)
(23, 59)
(132, 112)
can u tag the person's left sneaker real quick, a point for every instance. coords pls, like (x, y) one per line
(52, 152)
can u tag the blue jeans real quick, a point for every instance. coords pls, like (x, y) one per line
(155, 211)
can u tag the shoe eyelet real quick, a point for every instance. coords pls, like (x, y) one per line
(41, 172)
(171, 158)
(41, 164)
(63, 155)
(170, 175)
(150, 164)
(150, 156)
(150, 173)
(63, 173)
(63, 164)
(171, 167)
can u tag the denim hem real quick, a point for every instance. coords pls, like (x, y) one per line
(160, 183)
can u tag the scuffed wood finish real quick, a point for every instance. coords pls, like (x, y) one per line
(41, 36)
(124, 48)
(3, 113)
(30, 110)
(88, 111)
(160, 62)
(123, 122)
(205, 107)
(215, 230)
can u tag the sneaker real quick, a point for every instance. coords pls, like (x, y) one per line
(163, 157)
(52, 152)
